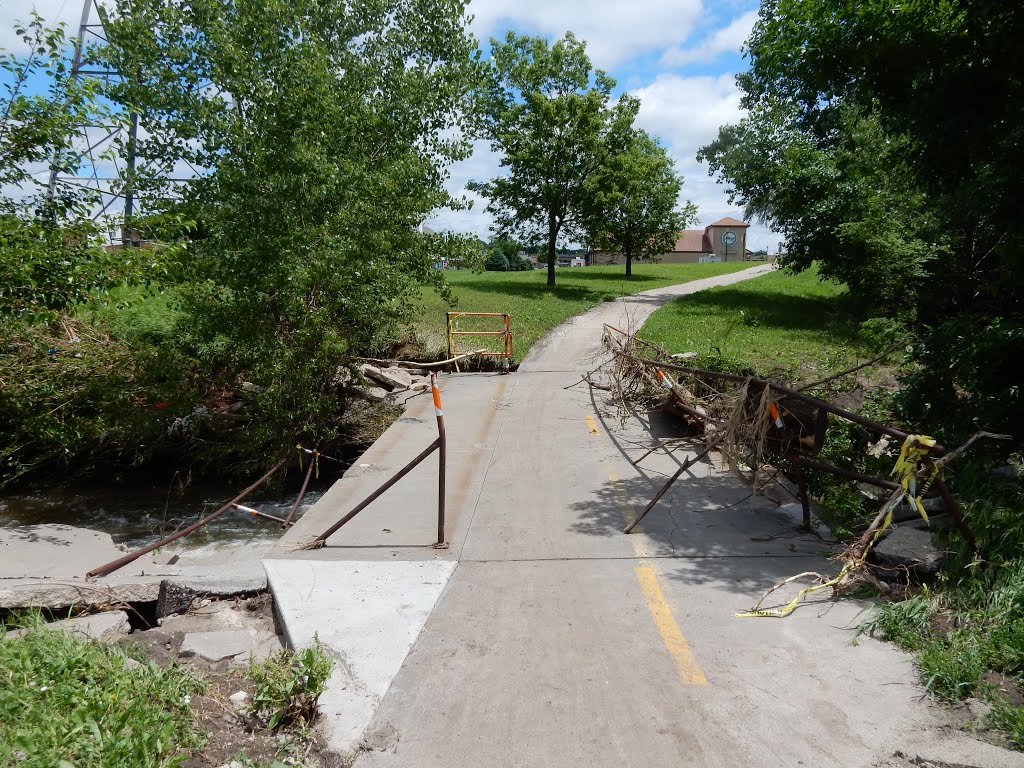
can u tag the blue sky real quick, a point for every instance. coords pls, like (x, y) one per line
(678, 56)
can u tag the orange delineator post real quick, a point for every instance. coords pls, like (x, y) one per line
(440, 445)
(442, 459)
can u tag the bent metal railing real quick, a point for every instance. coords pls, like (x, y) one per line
(440, 444)
(505, 334)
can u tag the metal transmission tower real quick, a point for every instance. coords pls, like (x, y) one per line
(102, 171)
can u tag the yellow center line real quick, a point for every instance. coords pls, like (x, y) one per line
(686, 663)
(678, 648)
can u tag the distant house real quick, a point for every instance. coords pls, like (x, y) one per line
(724, 240)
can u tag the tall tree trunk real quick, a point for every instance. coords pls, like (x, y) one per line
(552, 236)
(629, 263)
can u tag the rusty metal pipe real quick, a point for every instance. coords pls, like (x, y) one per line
(668, 484)
(121, 562)
(848, 474)
(319, 540)
(302, 493)
(257, 513)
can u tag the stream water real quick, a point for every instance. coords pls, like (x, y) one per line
(138, 512)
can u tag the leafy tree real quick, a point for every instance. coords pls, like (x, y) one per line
(872, 165)
(847, 200)
(37, 123)
(633, 202)
(510, 248)
(497, 262)
(321, 136)
(550, 116)
(50, 254)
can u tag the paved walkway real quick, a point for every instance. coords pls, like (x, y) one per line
(546, 637)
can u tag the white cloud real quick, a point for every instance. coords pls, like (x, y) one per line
(614, 33)
(686, 112)
(481, 166)
(52, 11)
(726, 39)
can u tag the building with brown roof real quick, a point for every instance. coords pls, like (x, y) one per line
(724, 240)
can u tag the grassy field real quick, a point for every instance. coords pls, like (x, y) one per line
(534, 307)
(779, 324)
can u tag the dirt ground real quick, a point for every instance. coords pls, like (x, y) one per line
(234, 734)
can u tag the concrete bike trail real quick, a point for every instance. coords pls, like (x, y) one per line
(543, 636)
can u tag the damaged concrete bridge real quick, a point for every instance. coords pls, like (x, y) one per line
(543, 636)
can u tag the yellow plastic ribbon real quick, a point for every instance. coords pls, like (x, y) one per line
(791, 606)
(915, 448)
(316, 458)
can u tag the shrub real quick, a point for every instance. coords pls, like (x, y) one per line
(88, 401)
(496, 262)
(289, 684)
(905, 624)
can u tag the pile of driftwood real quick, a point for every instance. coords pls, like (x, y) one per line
(746, 418)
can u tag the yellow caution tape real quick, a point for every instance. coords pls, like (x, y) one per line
(788, 609)
(316, 458)
(915, 448)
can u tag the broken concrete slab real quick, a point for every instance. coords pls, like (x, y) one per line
(399, 376)
(215, 646)
(59, 593)
(390, 378)
(212, 618)
(374, 394)
(107, 627)
(1009, 472)
(174, 598)
(265, 649)
(905, 550)
(67, 594)
(54, 551)
(44, 566)
(218, 581)
(907, 512)
(368, 614)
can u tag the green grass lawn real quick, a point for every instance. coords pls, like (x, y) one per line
(780, 324)
(534, 307)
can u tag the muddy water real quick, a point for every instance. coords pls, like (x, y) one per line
(137, 513)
